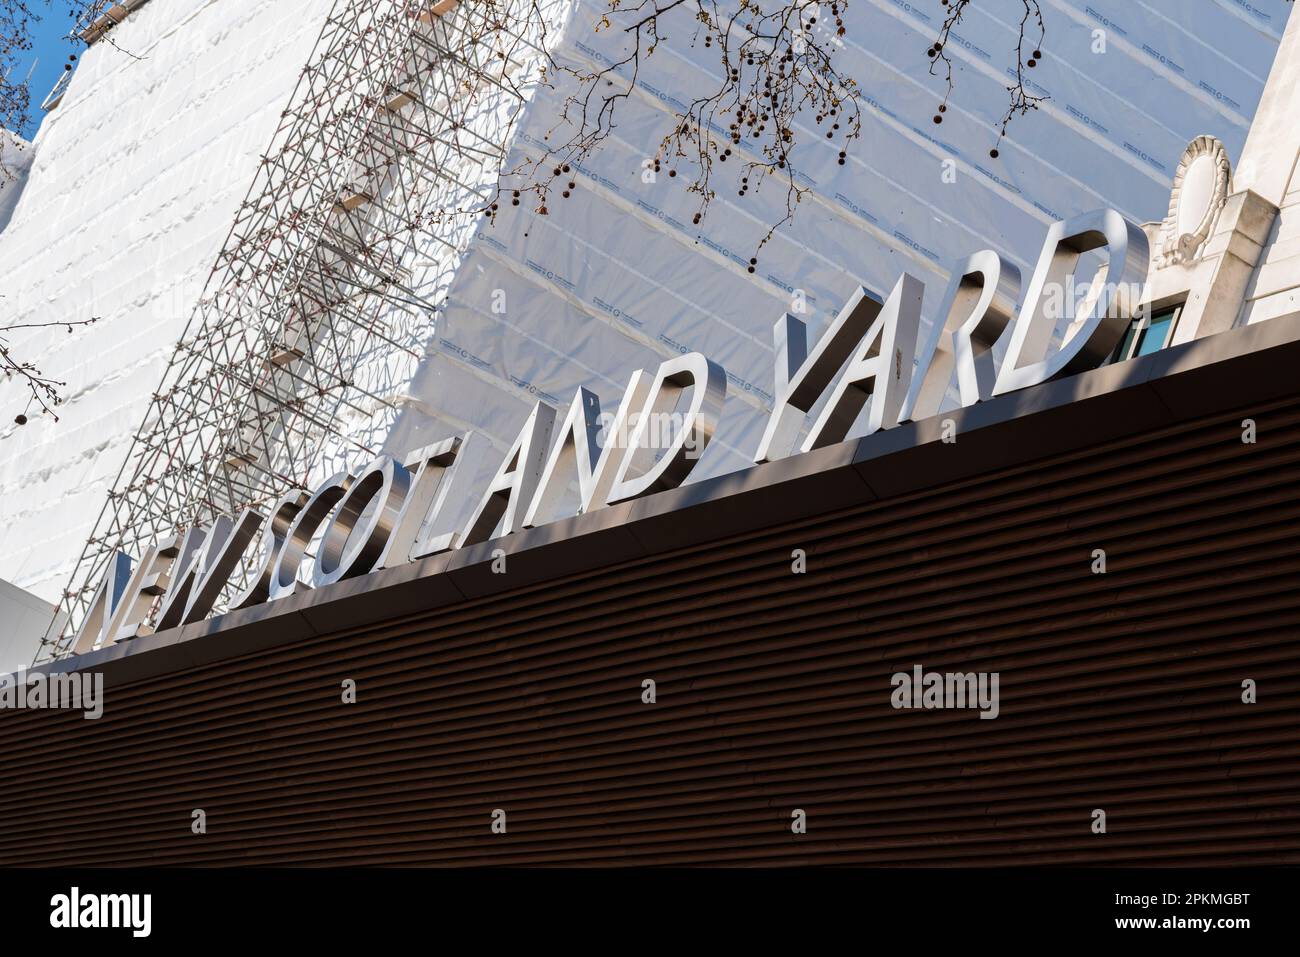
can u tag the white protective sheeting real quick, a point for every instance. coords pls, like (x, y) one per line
(137, 176)
(134, 185)
(616, 278)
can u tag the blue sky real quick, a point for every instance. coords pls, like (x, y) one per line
(50, 51)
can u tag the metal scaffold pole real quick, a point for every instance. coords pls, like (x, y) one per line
(380, 129)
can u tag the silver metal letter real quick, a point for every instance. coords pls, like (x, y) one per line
(196, 590)
(94, 627)
(1103, 322)
(708, 383)
(151, 579)
(185, 572)
(274, 535)
(977, 307)
(575, 450)
(879, 374)
(617, 440)
(357, 535)
(801, 378)
(284, 580)
(515, 483)
(436, 469)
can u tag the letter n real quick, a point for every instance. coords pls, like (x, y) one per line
(95, 626)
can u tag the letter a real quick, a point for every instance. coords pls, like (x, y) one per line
(879, 375)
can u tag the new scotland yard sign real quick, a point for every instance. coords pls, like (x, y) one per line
(859, 377)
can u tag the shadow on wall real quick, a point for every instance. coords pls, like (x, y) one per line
(15, 162)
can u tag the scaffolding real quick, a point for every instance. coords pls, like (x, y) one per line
(397, 112)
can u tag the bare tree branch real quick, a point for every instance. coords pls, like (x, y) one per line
(778, 68)
(1021, 100)
(778, 84)
(774, 66)
(18, 20)
(44, 391)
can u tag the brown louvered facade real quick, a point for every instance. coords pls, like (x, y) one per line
(1120, 691)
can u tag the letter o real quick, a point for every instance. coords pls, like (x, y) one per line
(285, 578)
(351, 546)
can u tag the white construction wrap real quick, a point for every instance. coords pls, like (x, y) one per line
(137, 175)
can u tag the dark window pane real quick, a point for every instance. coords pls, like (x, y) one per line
(1153, 339)
(1149, 340)
(1121, 350)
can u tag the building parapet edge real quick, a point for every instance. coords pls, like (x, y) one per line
(1221, 372)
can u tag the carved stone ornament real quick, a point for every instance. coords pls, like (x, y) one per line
(1201, 187)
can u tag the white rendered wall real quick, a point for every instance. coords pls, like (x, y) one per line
(134, 184)
(24, 619)
(1268, 168)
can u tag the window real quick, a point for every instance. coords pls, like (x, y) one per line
(1147, 334)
